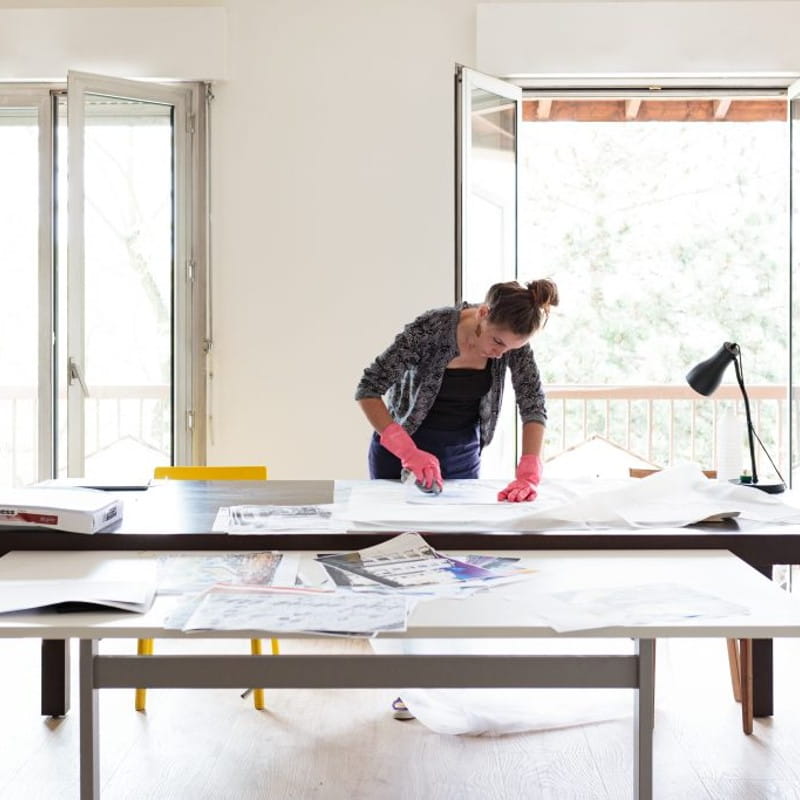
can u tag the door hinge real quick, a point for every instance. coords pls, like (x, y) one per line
(190, 265)
(191, 122)
(189, 420)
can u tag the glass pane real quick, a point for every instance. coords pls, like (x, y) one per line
(488, 227)
(60, 266)
(128, 264)
(666, 237)
(490, 252)
(19, 231)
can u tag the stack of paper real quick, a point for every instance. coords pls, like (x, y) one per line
(395, 572)
(408, 563)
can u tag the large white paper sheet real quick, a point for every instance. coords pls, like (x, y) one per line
(276, 610)
(459, 492)
(34, 580)
(648, 604)
(671, 498)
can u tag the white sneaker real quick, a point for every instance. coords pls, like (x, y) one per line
(400, 711)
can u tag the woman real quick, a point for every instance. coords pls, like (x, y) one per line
(443, 380)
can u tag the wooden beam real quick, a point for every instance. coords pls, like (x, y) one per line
(652, 110)
(543, 109)
(632, 107)
(721, 107)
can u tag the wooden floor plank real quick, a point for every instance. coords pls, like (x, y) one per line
(344, 744)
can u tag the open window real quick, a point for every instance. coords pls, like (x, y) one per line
(662, 215)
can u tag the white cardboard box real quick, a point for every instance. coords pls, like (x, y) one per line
(76, 510)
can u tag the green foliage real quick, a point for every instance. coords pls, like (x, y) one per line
(665, 239)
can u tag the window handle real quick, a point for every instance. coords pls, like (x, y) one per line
(75, 374)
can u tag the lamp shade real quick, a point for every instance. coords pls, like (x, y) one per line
(707, 375)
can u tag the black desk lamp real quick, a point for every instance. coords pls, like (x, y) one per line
(706, 377)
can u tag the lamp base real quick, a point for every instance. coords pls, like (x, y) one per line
(769, 488)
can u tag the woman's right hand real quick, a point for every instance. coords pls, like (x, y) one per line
(424, 465)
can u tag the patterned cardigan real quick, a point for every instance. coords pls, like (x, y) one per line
(410, 372)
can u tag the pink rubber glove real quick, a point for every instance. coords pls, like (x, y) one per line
(425, 466)
(529, 473)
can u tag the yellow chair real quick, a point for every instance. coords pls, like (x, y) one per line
(211, 473)
(144, 647)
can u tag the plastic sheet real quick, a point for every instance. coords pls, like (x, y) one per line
(497, 712)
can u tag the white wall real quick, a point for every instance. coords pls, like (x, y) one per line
(333, 211)
(333, 215)
(332, 194)
(647, 39)
(43, 44)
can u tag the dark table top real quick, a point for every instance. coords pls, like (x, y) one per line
(179, 515)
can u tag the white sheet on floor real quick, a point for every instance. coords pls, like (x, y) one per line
(496, 712)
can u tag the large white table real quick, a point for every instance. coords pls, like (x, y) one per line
(508, 611)
(179, 515)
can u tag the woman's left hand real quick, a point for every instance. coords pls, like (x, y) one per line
(523, 488)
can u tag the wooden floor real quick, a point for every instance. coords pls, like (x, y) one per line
(344, 744)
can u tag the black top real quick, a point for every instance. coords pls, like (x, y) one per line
(408, 374)
(457, 405)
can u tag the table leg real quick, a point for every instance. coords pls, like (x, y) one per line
(746, 680)
(762, 678)
(762, 664)
(89, 735)
(55, 677)
(644, 721)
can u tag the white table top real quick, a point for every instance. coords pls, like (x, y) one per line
(505, 611)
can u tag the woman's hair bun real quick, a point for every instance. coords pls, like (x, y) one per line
(521, 309)
(544, 292)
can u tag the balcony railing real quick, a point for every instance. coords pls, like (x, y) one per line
(661, 425)
(665, 424)
(127, 429)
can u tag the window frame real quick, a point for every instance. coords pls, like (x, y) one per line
(190, 338)
(187, 388)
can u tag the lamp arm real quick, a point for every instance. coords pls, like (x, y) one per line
(740, 378)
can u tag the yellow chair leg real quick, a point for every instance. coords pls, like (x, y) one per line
(144, 647)
(258, 694)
